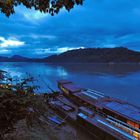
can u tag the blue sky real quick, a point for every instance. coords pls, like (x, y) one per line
(98, 23)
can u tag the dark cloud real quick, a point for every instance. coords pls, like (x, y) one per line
(98, 23)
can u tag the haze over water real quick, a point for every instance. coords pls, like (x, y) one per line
(116, 80)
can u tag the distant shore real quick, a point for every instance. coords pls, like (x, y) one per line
(88, 55)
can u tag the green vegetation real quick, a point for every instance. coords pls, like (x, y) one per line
(23, 114)
(47, 6)
(18, 102)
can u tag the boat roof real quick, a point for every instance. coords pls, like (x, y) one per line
(117, 106)
(64, 82)
(85, 98)
(82, 108)
(124, 109)
(72, 88)
(88, 96)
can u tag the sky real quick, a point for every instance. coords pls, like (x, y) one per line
(98, 23)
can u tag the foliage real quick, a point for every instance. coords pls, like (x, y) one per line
(47, 6)
(18, 102)
(2, 75)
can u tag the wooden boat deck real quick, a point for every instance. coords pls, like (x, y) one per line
(97, 121)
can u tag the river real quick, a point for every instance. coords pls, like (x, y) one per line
(116, 80)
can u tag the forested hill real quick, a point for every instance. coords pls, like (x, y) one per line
(89, 55)
(97, 55)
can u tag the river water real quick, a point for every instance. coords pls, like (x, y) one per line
(116, 80)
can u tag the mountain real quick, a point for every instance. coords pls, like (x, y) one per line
(2, 58)
(89, 55)
(19, 58)
(96, 55)
(15, 58)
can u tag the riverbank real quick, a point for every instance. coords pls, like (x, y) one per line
(25, 115)
(38, 129)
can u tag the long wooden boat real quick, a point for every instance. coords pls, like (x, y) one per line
(104, 117)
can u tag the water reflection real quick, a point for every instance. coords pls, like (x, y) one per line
(117, 80)
(101, 69)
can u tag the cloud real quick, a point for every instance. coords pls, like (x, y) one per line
(98, 23)
(34, 15)
(56, 50)
(64, 49)
(40, 36)
(5, 51)
(10, 42)
(31, 15)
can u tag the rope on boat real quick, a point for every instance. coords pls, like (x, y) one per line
(62, 120)
(47, 85)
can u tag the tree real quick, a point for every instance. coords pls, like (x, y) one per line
(47, 6)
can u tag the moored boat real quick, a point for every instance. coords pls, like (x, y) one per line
(112, 117)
